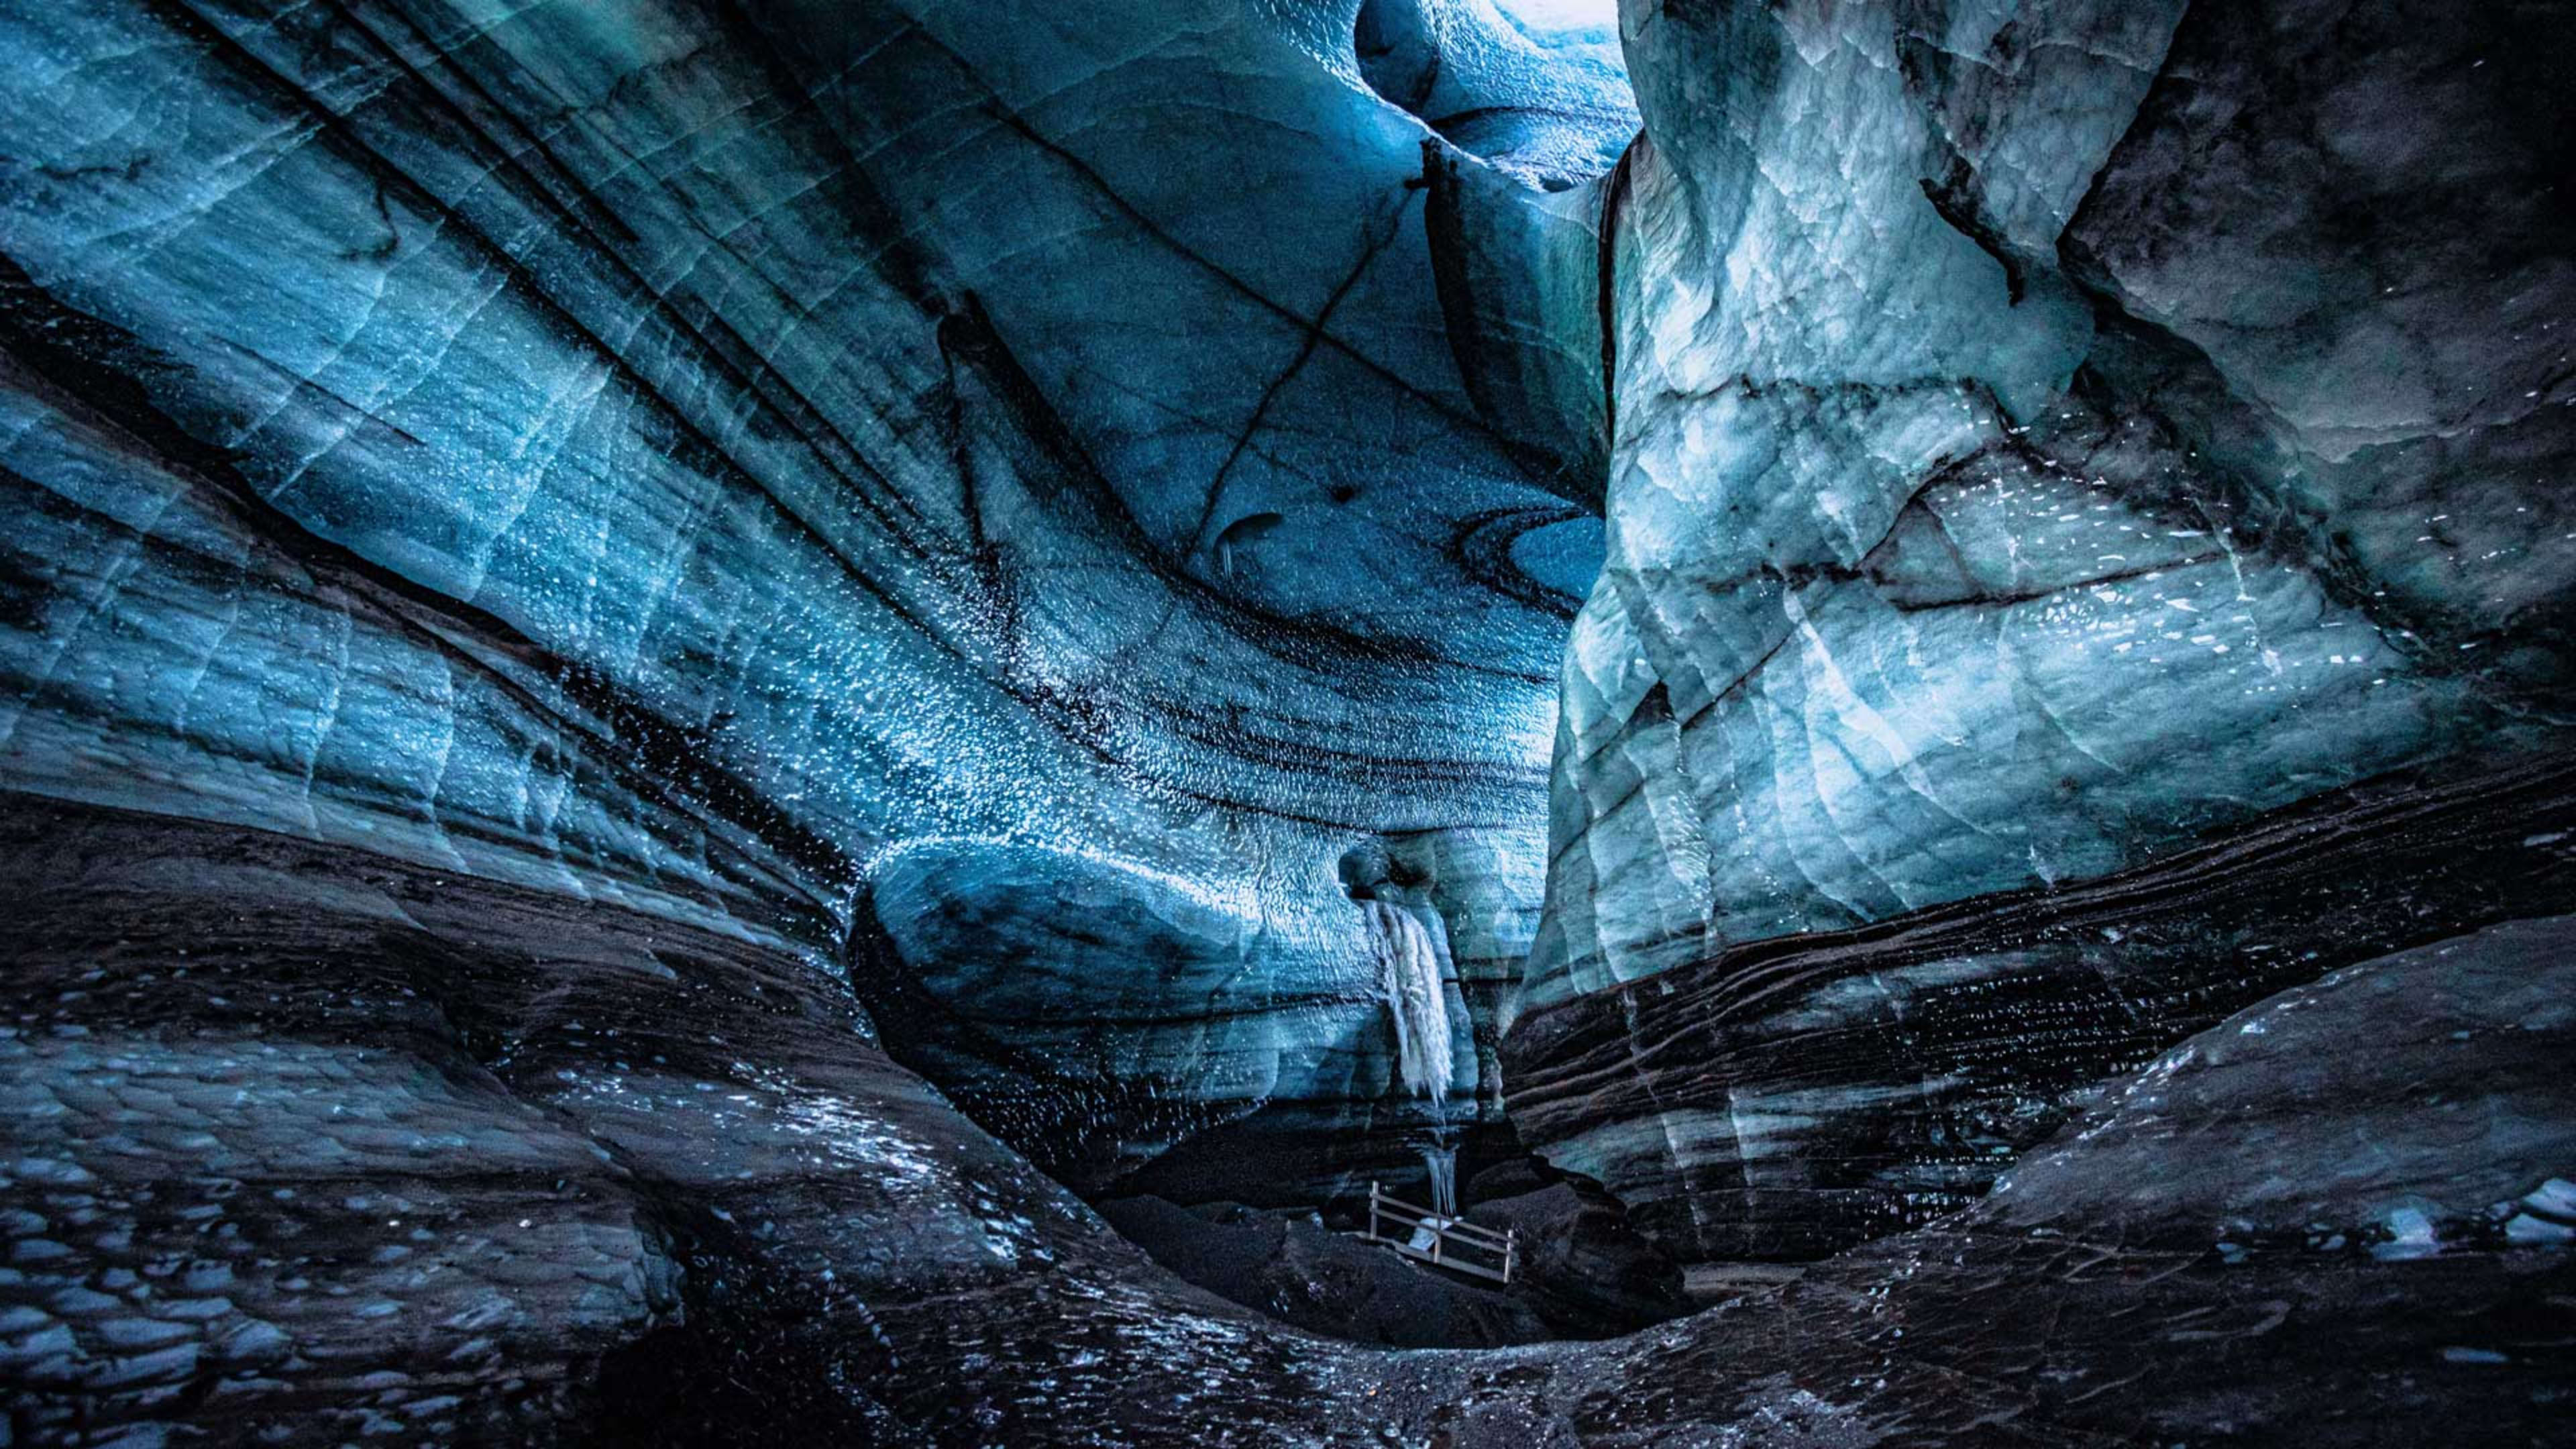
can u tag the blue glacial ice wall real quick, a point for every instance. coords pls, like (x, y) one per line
(880, 481)
(2089, 546)
(576, 580)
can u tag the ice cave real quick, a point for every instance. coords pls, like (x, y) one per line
(860, 722)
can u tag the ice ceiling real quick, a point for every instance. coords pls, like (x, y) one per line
(672, 671)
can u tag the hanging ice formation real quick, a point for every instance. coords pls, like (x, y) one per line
(1440, 1161)
(1409, 973)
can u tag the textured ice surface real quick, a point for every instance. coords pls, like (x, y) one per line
(717, 461)
(2047, 441)
(576, 581)
(2271, 1132)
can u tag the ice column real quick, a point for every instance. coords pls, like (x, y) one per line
(1409, 972)
(1440, 1160)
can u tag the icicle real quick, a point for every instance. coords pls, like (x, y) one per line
(1409, 972)
(1441, 1160)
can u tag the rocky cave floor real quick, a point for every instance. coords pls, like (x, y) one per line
(1581, 1272)
(351, 1148)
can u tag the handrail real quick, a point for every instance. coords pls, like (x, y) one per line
(1444, 1232)
(1405, 1212)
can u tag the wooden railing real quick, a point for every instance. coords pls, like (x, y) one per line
(1443, 1242)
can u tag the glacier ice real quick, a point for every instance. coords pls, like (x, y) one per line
(667, 668)
(716, 506)
(2022, 547)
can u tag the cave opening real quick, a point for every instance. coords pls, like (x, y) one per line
(1536, 88)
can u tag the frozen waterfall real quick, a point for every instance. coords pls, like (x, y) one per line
(1440, 1163)
(1409, 973)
